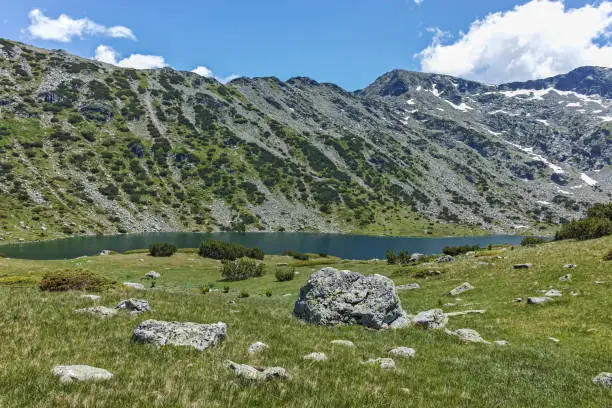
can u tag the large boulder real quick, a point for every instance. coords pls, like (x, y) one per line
(199, 336)
(332, 297)
(72, 373)
(134, 306)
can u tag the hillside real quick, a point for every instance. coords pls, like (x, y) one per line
(40, 330)
(89, 148)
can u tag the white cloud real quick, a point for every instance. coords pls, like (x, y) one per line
(538, 39)
(64, 28)
(107, 54)
(206, 72)
(418, 2)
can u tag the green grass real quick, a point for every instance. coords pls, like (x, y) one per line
(39, 331)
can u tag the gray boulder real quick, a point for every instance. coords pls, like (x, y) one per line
(467, 335)
(460, 289)
(257, 374)
(70, 373)
(344, 343)
(431, 319)
(199, 336)
(553, 293)
(603, 379)
(316, 356)
(403, 352)
(134, 306)
(416, 257)
(538, 300)
(409, 286)
(101, 311)
(332, 297)
(445, 258)
(257, 347)
(385, 363)
(152, 275)
(565, 278)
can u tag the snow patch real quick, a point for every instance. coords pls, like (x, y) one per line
(587, 179)
(462, 107)
(544, 121)
(543, 202)
(410, 102)
(606, 118)
(529, 150)
(573, 105)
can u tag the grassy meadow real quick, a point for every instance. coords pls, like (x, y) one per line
(39, 330)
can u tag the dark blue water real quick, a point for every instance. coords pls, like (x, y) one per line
(344, 246)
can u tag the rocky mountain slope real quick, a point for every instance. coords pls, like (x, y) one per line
(88, 148)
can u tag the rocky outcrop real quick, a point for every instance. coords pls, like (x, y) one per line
(196, 335)
(332, 297)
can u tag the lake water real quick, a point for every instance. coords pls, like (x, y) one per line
(344, 246)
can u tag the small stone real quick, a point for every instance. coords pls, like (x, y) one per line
(431, 319)
(565, 277)
(105, 252)
(384, 362)
(98, 310)
(132, 285)
(501, 342)
(553, 293)
(591, 331)
(403, 352)
(467, 335)
(409, 286)
(445, 258)
(344, 343)
(134, 306)
(460, 289)
(152, 275)
(257, 347)
(72, 373)
(553, 339)
(574, 293)
(517, 300)
(90, 297)
(570, 266)
(538, 300)
(522, 266)
(316, 356)
(250, 373)
(140, 260)
(603, 379)
(449, 305)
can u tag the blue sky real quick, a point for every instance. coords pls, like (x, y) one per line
(350, 43)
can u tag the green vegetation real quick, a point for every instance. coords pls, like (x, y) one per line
(284, 274)
(401, 258)
(297, 255)
(162, 249)
(597, 223)
(532, 241)
(228, 251)
(608, 256)
(459, 250)
(242, 269)
(74, 279)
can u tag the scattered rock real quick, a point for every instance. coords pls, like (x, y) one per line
(152, 275)
(403, 352)
(538, 300)
(554, 340)
(449, 305)
(250, 373)
(385, 362)
(138, 286)
(90, 297)
(257, 347)
(105, 252)
(522, 266)
(72, 373)
(344, 343)
(565, 277)
(603, 379)
(570, 266)
(460, 289)
(501, 342)
(416, 257)
(431, 319)
(445, 258)
(199, 336)
(465, 312)
(101, 311)
(140, 260)
(316, 356)
(409, 286)
(468, 335)
(332, 297)
(553, 293)
(517, 300)
(591, 331)
(134, 306)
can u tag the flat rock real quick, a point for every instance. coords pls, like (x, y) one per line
(152, 275)
(332, 297)
(468, 335)
(554, 340)
(257, 374)
(344, 343)
(566, 277)
(460, 289)
(431, 319)
(517, 300)
(134, 306)
(403, 352)
(90, 297)
(538, 300)
(101, 311)
(138, 286)
(70, 373)
(465, 312)
(197, 335)
(603, 379)
(384, 362)
(257, 347)
(316, 356)
(409, 286)
(570, 266)
(522, 266)
(553, 293)
(501, 342)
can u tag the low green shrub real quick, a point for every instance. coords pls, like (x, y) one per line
(228, 251)
(402, 258)
(608, 256)
(162, 249)
(598, 223)
(532, 241)
(19, 280)
(205, 289)
(268, 293)
(296, 255)
(241, 269)
(226, 289)
(75, 279)
(461, 249)
(243, 294)
(284, 274)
